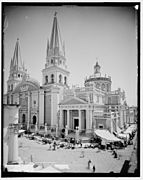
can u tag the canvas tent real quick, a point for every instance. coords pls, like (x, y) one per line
(106, 135)
(130, 129)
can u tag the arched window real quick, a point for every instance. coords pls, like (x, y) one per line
(46, 79)
(12, 87)
(97, 85)
(65, 80)
(60, 78)
(11, 99)
(8, 87)
(103, 87)
(34, 119)
(52, 78)
(34, 102)
(52, 61)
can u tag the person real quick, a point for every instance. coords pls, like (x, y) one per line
(113, 153)
(89, 163)
(94, 169)
(54, 145)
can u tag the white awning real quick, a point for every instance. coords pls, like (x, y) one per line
(130, 129)
(21, 131)
(121, 135)
(105, 134)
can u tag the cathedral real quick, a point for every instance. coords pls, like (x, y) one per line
(54, 103)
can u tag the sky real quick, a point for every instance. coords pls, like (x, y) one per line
(90, 33)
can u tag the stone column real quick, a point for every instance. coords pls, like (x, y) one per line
(111, 120)
(36, 127)
(13, 136)
(66, 131)
(28, 120)
(68, 115)
(87, 121)
(57, 130)
(79, 112)
(91, 119)
(94, 129)
(116, 119)
(61, 119)
(77, 133)
(45, 129)
(41, 107)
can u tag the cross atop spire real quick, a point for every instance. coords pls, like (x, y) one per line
(55, 41)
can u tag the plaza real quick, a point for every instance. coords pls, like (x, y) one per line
(71, 158)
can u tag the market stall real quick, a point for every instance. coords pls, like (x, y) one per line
(106, 135)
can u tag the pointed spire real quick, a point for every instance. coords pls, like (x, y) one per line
(47, 52)
(23, 66)
(64, 47)
(11, 64)
(55, 41)
(17, 61)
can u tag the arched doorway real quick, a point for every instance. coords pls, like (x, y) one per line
(23, 119)
(34, 119)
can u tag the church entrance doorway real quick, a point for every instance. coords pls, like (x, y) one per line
(76, 122)
(34, 119)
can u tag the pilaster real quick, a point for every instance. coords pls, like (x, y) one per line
(41, 107)
(79, 112)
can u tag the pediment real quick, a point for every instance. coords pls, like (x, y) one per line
(73, 100)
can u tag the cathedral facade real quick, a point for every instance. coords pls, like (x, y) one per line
(54, 103)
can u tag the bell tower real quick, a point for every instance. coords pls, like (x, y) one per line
(55, 75)
(17, 69)
(55, 71)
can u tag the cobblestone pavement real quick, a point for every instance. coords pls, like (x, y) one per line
(103, 160)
